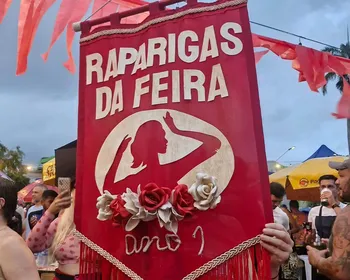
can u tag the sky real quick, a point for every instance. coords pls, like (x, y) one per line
(38, 110)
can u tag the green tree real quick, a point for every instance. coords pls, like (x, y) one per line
(342, 51)
(11, 162)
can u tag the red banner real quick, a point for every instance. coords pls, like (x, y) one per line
(170, 146)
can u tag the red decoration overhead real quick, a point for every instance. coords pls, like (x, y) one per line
(259, 55)
(66, 15)
(32, 12)
(4, 5)
(312, 66)
(343, 108)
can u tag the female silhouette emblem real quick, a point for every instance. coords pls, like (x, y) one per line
(150, 141)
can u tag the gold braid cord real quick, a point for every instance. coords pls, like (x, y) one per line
(122, 267)
(212, 8)
(222, 258)
(193, 275)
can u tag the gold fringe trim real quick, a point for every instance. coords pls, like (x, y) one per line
(193, 275)
(147, 24)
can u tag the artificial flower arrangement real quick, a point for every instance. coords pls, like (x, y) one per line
(153, 202)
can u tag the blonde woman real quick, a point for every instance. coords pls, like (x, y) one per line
(16, 260)
(56, 234)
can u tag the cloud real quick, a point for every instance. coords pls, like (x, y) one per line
(42, 80)
(39, 109)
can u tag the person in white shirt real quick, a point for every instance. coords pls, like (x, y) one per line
(322, 217)
(277, 193)
(36, 211)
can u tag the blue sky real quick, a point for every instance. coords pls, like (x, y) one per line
(38, 110)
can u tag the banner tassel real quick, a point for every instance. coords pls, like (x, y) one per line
(251, 264)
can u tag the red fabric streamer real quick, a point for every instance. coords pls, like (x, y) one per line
(110, 8)
(76, 16)
(159, 103)
(282, 49)
(343, 107)
(24, 34)
(124, 6)
(69, 14)
(4, 6)
(134, 19)
(64, 14)
(259, 55)
(31, 14)
(119, 6)
(311, 64)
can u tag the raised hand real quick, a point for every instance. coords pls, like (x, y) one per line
(170, 122)
(124, 143)
(62, 201)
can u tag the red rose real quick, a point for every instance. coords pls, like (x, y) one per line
(182, 200)
(119, 211)
(153, 197)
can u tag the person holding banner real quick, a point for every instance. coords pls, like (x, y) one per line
(276, 240)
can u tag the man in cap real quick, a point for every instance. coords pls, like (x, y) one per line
(334, 262)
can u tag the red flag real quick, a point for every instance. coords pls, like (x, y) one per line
(170, 125)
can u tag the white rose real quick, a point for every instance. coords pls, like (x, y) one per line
(103, 202)
(138, 212)
(168, 217)
(205, 192)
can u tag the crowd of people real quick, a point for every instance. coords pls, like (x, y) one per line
(46, 229)
(323, 234)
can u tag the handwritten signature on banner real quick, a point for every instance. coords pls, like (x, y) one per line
(146, 242)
